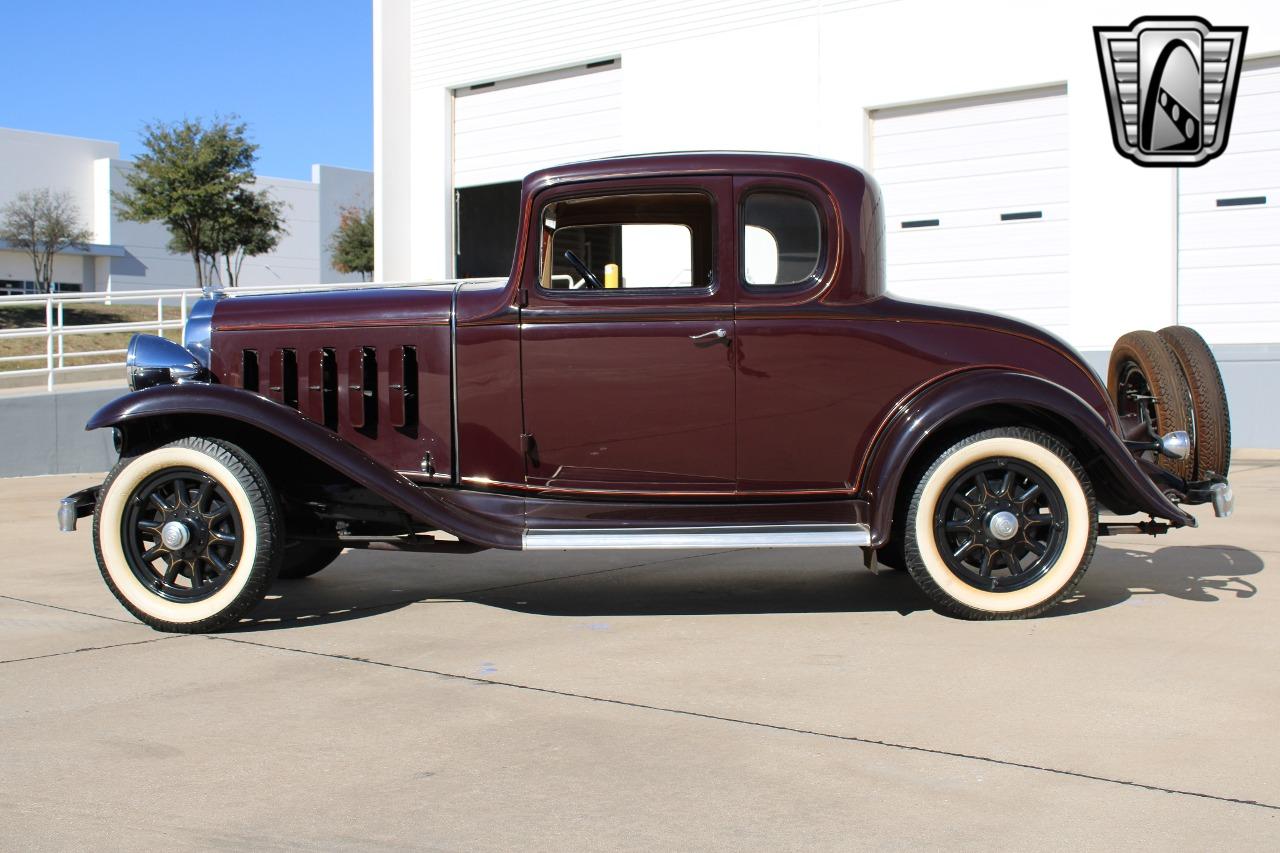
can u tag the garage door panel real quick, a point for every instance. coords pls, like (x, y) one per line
(908, 121)
(1261, 81)
(1251, 115)
(538, 96)
(1000, 240)
(603, 112)
(1248, 285)
(965, 166)
(503, 133)
(1223, 313)
(1021, 191)
(1230, 228)
(1229, 256)
(966, 273)
(1245, 170)
(506, 112)
(1202, 202)
(489, 145)
(975, 167)
(1031, 292)
(942, 146)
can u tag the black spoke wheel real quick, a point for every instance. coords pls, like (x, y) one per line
(182, 535)
(1001, 524)
(188, 535)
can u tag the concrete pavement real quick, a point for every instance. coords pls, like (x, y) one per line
(669, 700)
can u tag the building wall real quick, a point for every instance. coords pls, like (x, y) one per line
(792, 76)
(805, 76)
(92, 171)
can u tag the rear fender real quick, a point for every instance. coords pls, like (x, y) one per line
(929, 413)
(433, 506)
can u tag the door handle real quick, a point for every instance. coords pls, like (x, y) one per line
(714, 333)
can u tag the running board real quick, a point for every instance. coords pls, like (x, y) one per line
(729, 536)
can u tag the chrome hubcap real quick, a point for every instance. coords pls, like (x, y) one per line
(175, 535)
(1003, 525)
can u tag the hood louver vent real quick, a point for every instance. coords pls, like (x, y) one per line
(402, 386)
(322, 388)
(249, 370)
(321, 398)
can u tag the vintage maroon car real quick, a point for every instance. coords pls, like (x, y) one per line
(692, 351)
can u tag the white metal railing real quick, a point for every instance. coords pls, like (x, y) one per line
(55, 357)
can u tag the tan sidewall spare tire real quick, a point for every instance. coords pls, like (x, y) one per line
(1046, 454)
(258, 562)
(1211, 436)
(1149, 355)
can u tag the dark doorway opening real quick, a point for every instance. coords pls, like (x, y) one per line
(488, 218)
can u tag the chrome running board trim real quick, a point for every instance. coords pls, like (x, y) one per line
(729, 536)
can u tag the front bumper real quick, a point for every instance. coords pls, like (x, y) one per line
(75, 506)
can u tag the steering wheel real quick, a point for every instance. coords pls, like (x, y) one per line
(587, 275)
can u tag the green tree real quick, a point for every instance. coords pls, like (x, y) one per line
(42, 223)
(197, 179)
(351, 244)
(250, 226)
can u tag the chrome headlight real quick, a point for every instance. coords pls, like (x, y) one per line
(153, 360)
(198, 334)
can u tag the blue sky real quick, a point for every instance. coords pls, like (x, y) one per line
(300, 73)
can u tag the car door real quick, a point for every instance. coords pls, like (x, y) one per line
(626, 350)
(803, 373)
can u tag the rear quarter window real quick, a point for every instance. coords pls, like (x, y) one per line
(781, 239)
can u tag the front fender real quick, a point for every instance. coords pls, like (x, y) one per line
(429, 506)
(941, 403)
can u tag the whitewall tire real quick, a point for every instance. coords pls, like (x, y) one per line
(1002, 525)
(187, 535)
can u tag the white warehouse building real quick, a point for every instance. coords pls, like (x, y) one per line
(131, 255)
(984, 122)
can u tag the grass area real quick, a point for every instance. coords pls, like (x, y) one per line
(32, 317)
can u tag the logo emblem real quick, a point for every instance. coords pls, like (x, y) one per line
(1170, 85)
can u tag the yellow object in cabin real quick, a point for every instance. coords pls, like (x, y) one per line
(611, 275)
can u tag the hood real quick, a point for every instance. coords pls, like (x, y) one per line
(382, 306)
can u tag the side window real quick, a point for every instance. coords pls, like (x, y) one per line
(628, 242)
(781, 239)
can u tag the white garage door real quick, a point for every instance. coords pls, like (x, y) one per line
(976, 203)
(1229, 224)
(502, 131)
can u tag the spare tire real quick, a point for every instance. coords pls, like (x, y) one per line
(1211, 426)
(1144, 379)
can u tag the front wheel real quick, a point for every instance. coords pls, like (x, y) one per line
(187, 535)
(1001, 526)
(304, 559)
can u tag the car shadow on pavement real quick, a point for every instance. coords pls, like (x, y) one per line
(1121, 575)
(360, 585)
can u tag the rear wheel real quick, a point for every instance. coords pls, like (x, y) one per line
(1144, 380)
(1211, 423)
(187, 535)
(1002, 525)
